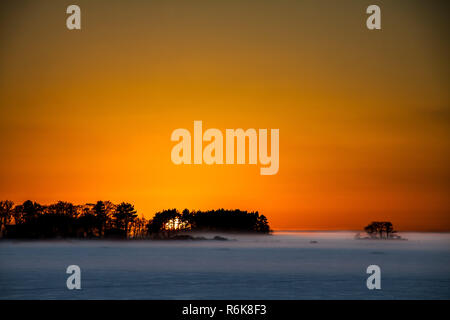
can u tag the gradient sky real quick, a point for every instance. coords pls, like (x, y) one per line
(364, 116)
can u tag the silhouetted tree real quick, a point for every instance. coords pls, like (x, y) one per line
(110, 208)
(105, 219)
(31, 210)
(6, 215)
(123, 215)
(160, 221)
(18, 215)
(262, 224)
(388, 229)
(378, 228)
(101, 216)
(217, 220)
(88, 223)
(371, 230)
(64, 219)
(138, 228)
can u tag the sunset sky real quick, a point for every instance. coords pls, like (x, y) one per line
(364, 116)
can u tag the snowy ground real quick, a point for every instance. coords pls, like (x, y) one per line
(281, 266)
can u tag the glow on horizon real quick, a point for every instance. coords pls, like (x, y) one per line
(363, 117)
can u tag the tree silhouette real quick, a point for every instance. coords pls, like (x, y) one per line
(138, 228)
(6, 215)
(388, 229)
(378, 228)
(371, 230)
(213, 220)
(262, 224)
(104, 219)
(18, 214)
(31, 210)
(101, 216)
(124, 215)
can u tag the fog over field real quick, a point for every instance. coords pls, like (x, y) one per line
(285, 265)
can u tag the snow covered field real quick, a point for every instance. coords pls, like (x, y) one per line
(286, 265)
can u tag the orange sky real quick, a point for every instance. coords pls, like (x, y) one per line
(363, 115)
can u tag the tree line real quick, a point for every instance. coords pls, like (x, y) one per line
(211, 220)
(105, 219)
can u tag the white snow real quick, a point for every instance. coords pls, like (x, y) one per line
(286, 265)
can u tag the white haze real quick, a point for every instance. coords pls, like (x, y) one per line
(286, 265)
